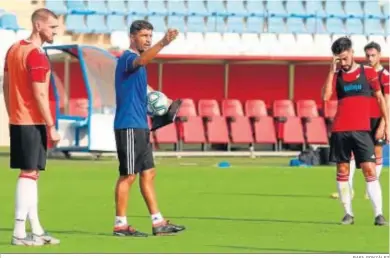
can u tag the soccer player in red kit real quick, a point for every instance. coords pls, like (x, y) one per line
(26, 96)
(373, 57)
(354, 85)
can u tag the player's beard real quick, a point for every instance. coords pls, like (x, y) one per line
(44, 38)
(347, 68)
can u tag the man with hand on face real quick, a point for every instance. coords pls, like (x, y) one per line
(373, 57)
(354, 85)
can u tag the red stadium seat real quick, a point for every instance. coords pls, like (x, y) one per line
(264, 130)
(289, 126)
(187, 108)
(217, 131)
(292, 131)
(315, 130)
(240, 130)
(166, 134)
(216, 126)
(208, 108)
(263, 125)
(307, 108)
(193, 130)
(255, 108)
(283, 108)
(232, 108)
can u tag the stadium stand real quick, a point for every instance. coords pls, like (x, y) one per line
(112, 17)
(167, 134)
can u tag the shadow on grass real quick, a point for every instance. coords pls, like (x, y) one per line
(66, 232)
(249, 220)
(80, 232)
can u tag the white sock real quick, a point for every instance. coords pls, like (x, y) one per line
(157, 218)
(345, 196)
(120, 221)
(378, 170)
(375, 193)
(24, 188)
(33, 211)
(352, 168)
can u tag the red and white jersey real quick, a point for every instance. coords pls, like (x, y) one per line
(383, 78)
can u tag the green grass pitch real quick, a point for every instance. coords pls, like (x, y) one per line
(256, 206)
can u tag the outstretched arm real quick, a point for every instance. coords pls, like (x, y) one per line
(147, 56)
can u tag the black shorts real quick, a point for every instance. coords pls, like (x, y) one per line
(134, 150)
(28, 147)
(342, 144)
(375, 121)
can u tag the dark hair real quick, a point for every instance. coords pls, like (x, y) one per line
(340, 45)
(373, 45)
(42, 13)
(139, 25)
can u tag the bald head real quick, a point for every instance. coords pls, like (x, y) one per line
(45, 24)
(42, 14)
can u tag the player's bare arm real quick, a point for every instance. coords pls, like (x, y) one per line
(387, 100)
(6, 91)
(152, 52)
(41, 95)
(40, 90)
(385, 80)
(327, 90)
(383, 107)
(381, 128)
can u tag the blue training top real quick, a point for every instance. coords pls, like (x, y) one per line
(131, 93)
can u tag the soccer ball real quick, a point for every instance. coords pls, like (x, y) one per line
(157, 103)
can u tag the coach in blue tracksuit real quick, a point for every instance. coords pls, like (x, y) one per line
(132, 132)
